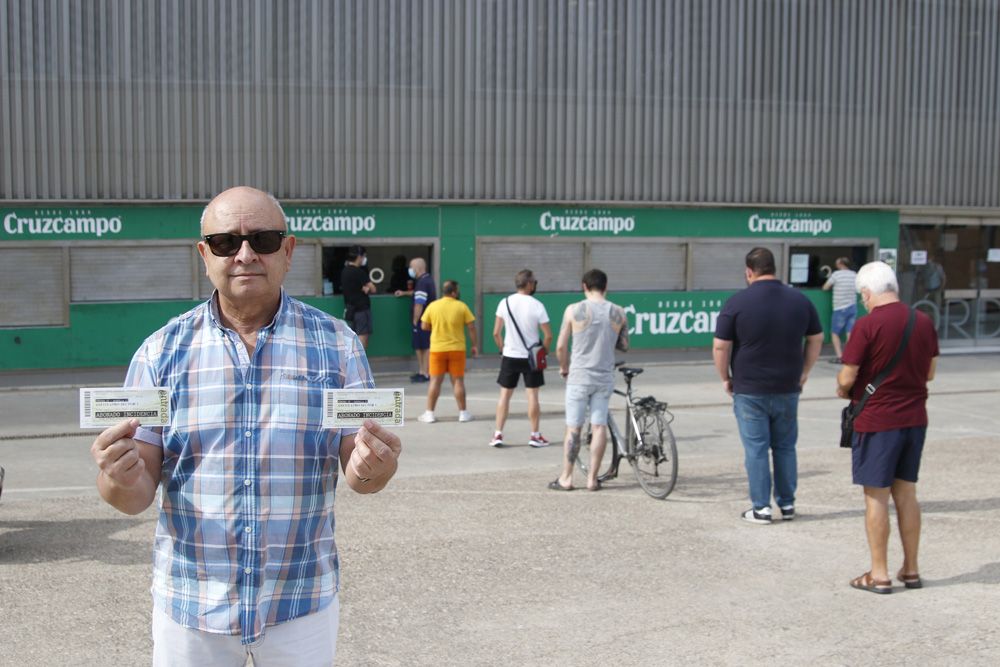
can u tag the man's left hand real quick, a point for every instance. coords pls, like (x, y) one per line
(374, 459)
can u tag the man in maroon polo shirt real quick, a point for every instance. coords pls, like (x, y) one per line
(889, 432)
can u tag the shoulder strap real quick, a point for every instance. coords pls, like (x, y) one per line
(514, 322)
(880, 378)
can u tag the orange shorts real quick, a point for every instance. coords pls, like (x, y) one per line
(452, 363)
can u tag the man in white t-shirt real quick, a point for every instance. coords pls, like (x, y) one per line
(845, 308)
(529, 315)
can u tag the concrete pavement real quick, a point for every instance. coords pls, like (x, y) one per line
(466, 559)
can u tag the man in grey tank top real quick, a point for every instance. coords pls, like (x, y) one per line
(597, 327)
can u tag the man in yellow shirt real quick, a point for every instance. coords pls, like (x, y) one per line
(446, 319)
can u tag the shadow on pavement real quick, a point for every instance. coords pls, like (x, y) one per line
(24, 542)
(987, 574)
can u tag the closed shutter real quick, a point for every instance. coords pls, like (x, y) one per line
(130, 273)
(652, 265)
(558, 266)
(301, 279)
(721, 266)
(39, 298)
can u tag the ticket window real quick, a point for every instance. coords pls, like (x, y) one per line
(387, 265)
(810, 266)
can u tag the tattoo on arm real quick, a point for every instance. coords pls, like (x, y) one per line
(617, 315)
(574, 448)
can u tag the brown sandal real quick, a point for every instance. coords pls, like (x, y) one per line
(866, 583)
(910, 580)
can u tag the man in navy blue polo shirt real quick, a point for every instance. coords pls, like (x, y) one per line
(763, 363)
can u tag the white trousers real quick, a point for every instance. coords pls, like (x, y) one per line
(308, 641)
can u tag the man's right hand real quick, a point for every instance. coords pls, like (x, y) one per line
(117, 454)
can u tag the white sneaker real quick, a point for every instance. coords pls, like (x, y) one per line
(427, 418)
(538, 440)
(761, 516)
(497, 440)
(465, 416)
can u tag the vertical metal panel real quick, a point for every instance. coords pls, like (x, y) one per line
(776, 101)
(40, 297)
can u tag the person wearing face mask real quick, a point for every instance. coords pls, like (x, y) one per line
(890, 429)
(424, 292)
(528, 314)
(356, 285)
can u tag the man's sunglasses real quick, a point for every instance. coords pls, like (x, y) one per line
(227, 245)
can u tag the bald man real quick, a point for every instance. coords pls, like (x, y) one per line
(245, 562)
(424, 292)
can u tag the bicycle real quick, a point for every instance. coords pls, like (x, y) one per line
(648, 443)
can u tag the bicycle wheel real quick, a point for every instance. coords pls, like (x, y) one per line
(655, 460)
(583, 460)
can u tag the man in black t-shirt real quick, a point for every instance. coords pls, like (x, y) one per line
(759, 335)
(357, 286)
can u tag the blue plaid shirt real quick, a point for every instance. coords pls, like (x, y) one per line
(245, 537)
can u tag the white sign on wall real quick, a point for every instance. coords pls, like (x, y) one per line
(918, 257)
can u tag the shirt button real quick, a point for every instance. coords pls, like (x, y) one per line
(248, 434)
(248, 529)
(247, 570)
(247, 482)
(249, 386)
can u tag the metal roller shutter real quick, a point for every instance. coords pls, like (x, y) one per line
(558, 265)
(649, 265)
(40, 297)
(130, 273)
(720, 266)
(302, 280)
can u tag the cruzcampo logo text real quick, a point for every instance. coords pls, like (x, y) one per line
(302, 222)
(675, 317)
(58, 223)
(585, 221)
(783, 225)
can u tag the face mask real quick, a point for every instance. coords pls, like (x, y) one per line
(364, 261)
(412, 272)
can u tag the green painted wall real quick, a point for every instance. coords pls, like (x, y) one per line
(657, 320)
(108, 333)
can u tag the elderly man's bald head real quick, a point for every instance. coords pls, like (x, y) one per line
(240, 202)
(418, 265)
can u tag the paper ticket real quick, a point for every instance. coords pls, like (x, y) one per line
(351, 407)
(106, 406)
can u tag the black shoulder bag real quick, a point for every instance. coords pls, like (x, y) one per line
(537, 360)
(852, 410)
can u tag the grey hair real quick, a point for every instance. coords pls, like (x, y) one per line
(271, 198)
(877, 278)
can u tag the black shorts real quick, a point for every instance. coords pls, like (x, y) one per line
(878, 459)
(511, 369)
(360, 321)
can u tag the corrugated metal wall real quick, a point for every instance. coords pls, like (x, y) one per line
(793, 101)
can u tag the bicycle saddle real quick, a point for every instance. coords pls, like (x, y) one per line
(630, 371)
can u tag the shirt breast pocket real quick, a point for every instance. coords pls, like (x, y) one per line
(299, 396)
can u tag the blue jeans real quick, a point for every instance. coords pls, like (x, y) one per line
(769, 422)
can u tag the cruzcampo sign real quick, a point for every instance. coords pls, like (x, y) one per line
(106, 223)
(688, 222)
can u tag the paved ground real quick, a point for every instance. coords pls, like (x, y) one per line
(468, 560)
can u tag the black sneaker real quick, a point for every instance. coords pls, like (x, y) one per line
(788, 513)
(762, 516)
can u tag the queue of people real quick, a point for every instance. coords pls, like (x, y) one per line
(246, 461)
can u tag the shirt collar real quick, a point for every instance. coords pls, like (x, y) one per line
(216, 319)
